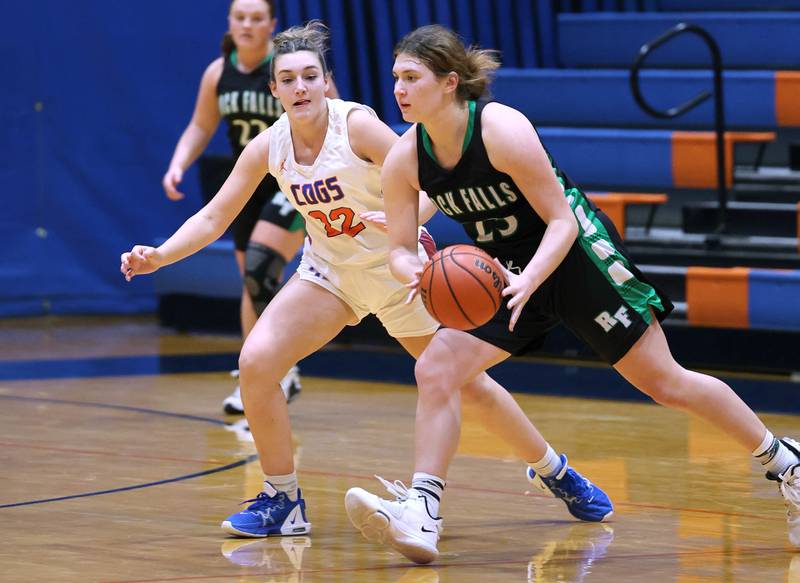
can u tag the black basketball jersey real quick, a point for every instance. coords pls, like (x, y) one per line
(245, 102)
(488, 204)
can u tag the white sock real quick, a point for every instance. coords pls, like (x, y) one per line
(549, 465)
(284, 483)
(773, 456)
(431, 488)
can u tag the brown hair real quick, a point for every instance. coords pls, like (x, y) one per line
(227, 45)
(443, 52)
(313, 36)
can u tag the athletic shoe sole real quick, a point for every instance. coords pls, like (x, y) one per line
(377, 525)
(295, 529)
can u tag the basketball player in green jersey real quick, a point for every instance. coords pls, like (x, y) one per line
(483, 165)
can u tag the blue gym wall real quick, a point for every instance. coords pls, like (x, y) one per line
(96, 93)
(95, 96)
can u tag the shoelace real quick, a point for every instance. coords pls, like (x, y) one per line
(400, 491)
(397, 488)
(260, 497)
(264, 510)
(578, 488)
(791, 492)
(263, 498)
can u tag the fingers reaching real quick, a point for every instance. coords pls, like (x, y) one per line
(139, 261)
(413, 287)
(377, 218)
(505, 272)
(518, 289)
(172, 178)
(125, 266)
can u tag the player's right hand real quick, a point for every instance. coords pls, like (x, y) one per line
(413, 285)
(140, 260)
(170, 182)
(519, 287)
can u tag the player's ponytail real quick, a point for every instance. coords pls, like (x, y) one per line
(227, 46)
(479, 69)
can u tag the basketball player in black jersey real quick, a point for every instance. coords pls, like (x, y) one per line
(268, 231)
(483, 165)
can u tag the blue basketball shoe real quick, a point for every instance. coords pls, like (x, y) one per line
(584, 500)
(269, 514)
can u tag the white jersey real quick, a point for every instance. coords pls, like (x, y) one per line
(332, 192)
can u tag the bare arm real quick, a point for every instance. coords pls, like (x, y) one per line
(402, 198)
(198, 133)
(371, 140)
(426, 208)
(210, 222)
(426, 211)
(514, 148)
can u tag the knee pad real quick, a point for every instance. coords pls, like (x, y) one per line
(262, 274)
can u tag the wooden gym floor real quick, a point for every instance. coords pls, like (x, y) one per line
(125, 477)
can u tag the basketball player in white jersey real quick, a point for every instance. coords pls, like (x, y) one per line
(326, 155)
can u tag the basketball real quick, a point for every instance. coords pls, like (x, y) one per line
(461, 286)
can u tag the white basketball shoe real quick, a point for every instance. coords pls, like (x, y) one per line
(790, 489)
(232, 404)
(290, 385)
(404, 524)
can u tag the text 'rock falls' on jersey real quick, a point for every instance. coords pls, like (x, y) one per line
(245, 102)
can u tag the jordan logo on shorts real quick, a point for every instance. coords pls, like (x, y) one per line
(607, 321)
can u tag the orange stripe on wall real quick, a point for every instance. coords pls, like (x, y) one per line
(614, 204)
(717, 296)
(787, 98)
(694, 156)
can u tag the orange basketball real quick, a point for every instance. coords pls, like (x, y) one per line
(461, 287)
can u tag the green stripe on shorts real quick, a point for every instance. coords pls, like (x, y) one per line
(297, 223)
(598, 246)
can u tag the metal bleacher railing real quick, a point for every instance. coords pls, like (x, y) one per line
(719, 111)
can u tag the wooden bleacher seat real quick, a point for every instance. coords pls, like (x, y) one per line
(614, 204)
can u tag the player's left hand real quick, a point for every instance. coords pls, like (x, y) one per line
(519, 288)
(377, 218)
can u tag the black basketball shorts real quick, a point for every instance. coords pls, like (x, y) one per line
(596, 292)
(269, 204)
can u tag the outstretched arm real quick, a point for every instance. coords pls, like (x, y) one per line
(210, 222)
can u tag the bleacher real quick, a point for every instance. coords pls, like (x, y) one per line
(568, 71)
(587, 116)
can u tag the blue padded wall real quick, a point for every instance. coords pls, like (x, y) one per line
(91, 112)
(613, 39)
(116, 85)
(602, 98)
